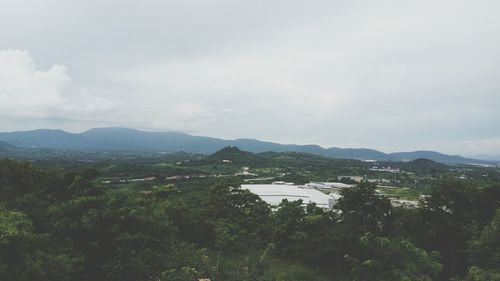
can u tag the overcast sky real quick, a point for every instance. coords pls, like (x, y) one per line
(390, 75)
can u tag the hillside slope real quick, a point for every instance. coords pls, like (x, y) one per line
(136, 140)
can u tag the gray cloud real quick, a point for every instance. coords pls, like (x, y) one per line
(392, 75)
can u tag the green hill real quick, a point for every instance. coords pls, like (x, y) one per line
(124, 139)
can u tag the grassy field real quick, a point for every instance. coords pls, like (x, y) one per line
(404, 193)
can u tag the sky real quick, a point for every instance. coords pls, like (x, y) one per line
(389, 75)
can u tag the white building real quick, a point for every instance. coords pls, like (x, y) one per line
(273, 194)
(328, 185)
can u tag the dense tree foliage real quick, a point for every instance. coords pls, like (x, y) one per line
(61, 225)
(387, 259)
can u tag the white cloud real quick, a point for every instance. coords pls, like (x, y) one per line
(392, 75)
(29, 93)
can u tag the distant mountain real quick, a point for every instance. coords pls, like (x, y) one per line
(112, 139)
(45, 138)
(156, 141)
(5, 146)
(486, 157)
(357, 153)
(435, 156)
(136, 140)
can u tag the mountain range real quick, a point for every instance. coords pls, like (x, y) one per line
(135, 140)
(486, 157)
(5, 146)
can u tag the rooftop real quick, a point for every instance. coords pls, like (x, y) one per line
(273, 194)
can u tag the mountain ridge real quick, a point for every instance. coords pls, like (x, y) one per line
(5, 146)
(117, 138)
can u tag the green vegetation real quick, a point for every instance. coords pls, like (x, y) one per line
(71, 220)
(404, 193)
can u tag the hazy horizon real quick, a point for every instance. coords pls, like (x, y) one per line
(391, 76)
(488, 157)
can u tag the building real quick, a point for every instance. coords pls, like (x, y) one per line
(273, 194)
(353, 178)
(328, 185)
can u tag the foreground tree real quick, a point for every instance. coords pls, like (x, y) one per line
(25, 255)
(484, 252)
(363, 209)
(386, 259)
(238, 218)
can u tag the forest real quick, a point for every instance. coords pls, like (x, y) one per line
(59, 222)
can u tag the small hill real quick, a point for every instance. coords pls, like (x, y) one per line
(435, 156)
(230, 152)
(357, 153)
(424, 166)
(235, 156)
(423, 163)
(426, 162)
